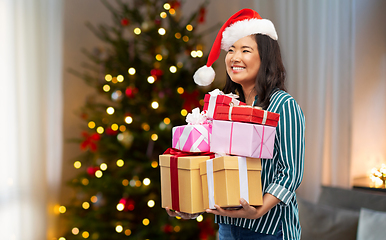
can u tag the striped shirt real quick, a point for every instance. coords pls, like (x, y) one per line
(282, 175)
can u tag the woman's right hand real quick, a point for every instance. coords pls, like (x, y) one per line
(182, 214)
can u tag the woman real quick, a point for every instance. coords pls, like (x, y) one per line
(255, 71)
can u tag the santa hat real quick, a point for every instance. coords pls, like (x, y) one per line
(243, 23)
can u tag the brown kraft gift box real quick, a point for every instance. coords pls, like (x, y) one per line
(226, 181)
(189, 183)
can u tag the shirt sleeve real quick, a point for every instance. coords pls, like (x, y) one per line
(289, 145)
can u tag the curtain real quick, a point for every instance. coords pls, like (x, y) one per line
(30, 123)
(316, 39)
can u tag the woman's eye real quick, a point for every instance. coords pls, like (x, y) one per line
(230, 50)
(246, 51)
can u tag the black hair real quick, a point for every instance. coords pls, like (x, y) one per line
(271, 75)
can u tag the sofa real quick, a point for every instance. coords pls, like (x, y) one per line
(344, 214)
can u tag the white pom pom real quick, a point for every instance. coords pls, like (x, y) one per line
(204, 76)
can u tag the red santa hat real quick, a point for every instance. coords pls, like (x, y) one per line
(243, 23)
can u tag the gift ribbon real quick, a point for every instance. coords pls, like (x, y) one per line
(263, 121)
(243, 180)
(174, 172)
(261, 143)
(209, 175)
(213, 99)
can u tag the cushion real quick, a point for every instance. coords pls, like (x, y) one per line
(352, 199)
(371, 225)
(323, 222)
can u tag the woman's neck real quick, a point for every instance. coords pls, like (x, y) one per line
(249, 94)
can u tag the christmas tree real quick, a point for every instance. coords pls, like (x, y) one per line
(144, 88)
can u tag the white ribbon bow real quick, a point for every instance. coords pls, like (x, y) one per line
(196, 118)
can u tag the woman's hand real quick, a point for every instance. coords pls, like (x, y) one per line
(247, 211)
(181, 214)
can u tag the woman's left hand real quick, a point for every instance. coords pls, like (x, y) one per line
(247, 211)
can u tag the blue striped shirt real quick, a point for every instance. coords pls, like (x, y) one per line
(282, 175)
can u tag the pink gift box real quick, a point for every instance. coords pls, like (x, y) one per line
(242, 139)
(192, 138)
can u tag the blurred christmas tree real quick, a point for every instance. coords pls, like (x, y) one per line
(144, 88)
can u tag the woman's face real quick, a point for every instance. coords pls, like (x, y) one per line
(243, 61)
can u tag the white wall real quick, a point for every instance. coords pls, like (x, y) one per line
(369, 93)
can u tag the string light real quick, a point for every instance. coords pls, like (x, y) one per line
(94, 199)
(103, 166)
(146, 181)
(125, 182)
(154, 164)
(137, 31)
(166, 6)
(199, 53)
(100, 130)
(138, 183)
(154, 137)
(193, 54)
(180, 90)
(132, 182)
(128, 120)
(172, 11)
(127, 232)
(62, 209)
(145, 221)
(131, 71)
(167, 120)
(145, 126)
(173, 69)
(184, 112)
(85, 234)
(106, 87)
(91, 124)
(200, 218)
(61, 238)
(122, 128)
(114, 127)
(180, 64)
(77, 164)
(110, 110)
(108, 77)
(85, 181)
(150, 203)
(75, 231)
(163, 15)
(158, 57)
(86, 205)
(177, 35)
(120, 207)
(185, 38)
(154, 105)
(161, 31)
(189, 27)
(151, 79)
(120, 163)
(120, 78)
(114, 80)
(119, 228)
(98, 174)
(177, 228)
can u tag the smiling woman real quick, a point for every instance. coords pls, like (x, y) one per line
(30, 100)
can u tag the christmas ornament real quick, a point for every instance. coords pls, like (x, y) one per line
(111, 132)
(128, 204)
(90, 141)
(243, 23)
(201, 16)
(167, 228)
(131, 91)
(125, 22)
(92, 170)
(190, 100)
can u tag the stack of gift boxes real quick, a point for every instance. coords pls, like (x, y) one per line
(215, 158)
